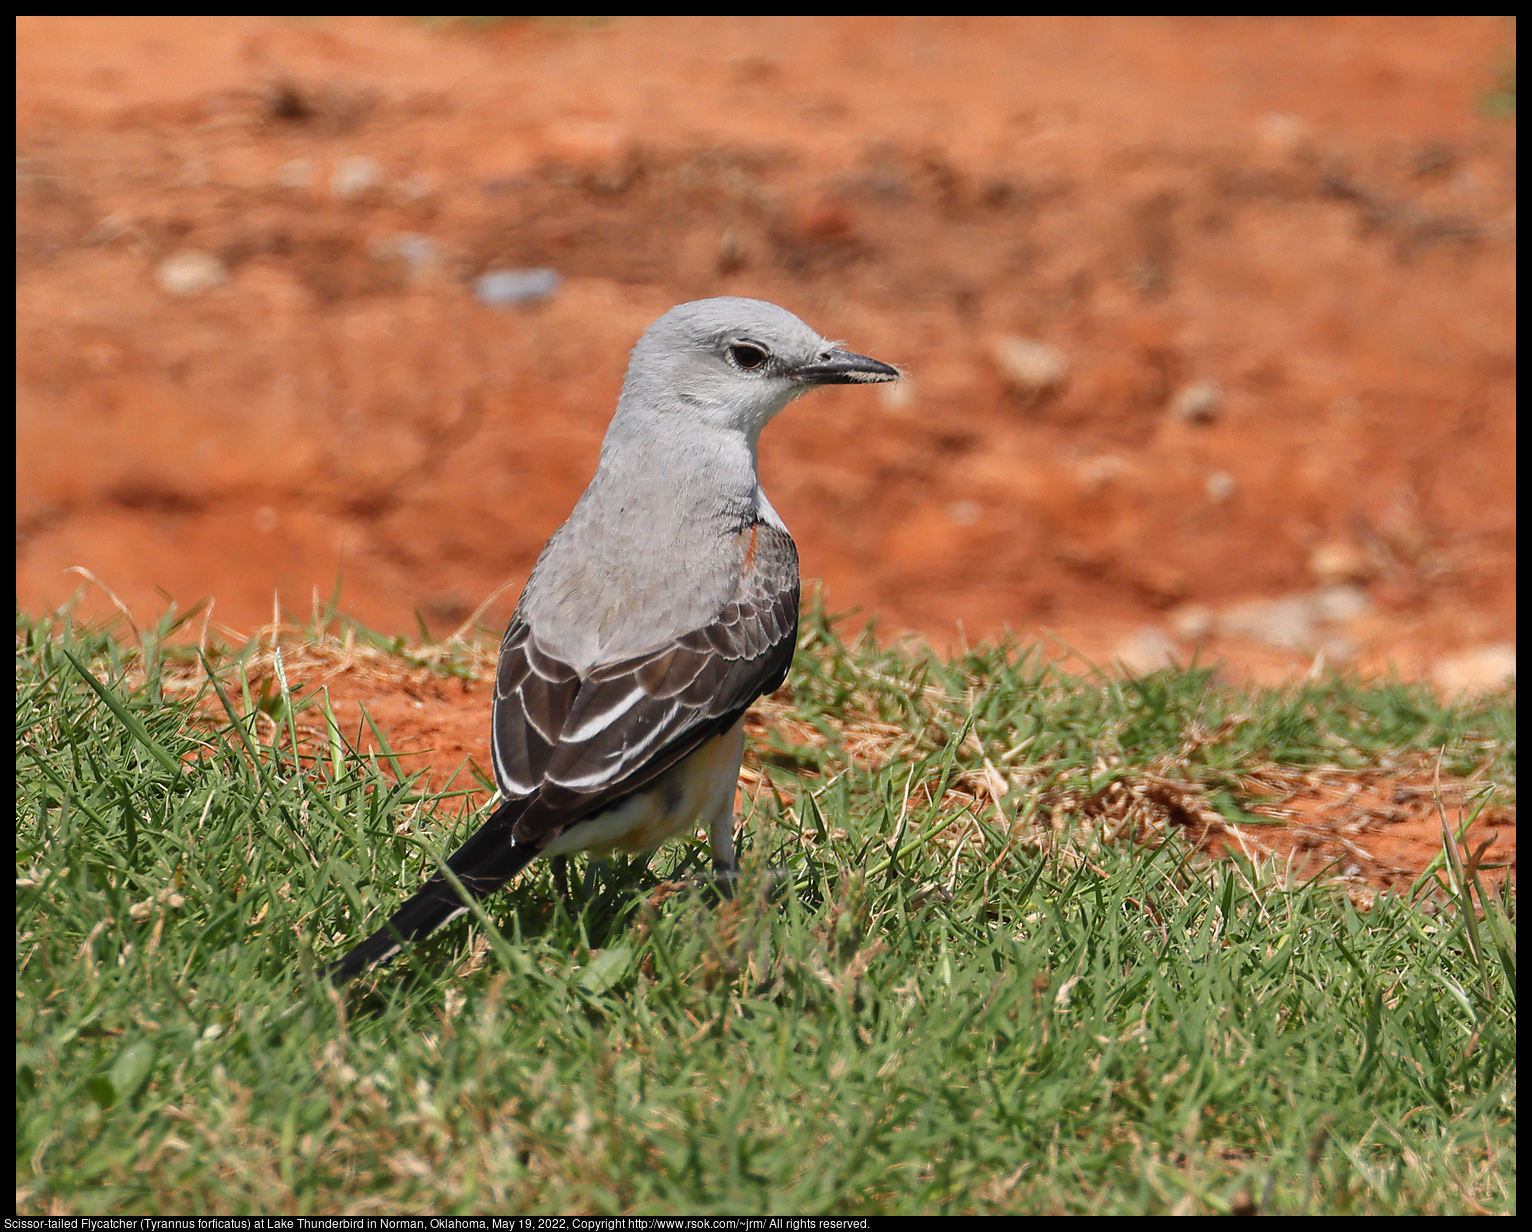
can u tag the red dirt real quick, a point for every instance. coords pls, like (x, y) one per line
(1315, 213)
(1375, 829)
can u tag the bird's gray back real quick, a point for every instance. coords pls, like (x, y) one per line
(649, 553)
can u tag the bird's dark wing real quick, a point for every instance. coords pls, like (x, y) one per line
(626, 723)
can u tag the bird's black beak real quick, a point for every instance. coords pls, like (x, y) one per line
(839, 367)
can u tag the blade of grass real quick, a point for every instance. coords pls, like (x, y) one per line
(125, 716)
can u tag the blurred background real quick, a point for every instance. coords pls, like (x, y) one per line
(1210, 322)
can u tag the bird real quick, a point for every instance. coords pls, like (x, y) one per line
(653, 618)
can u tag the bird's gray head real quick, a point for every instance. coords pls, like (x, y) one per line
(734, 363)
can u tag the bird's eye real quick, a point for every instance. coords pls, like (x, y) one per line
(747, 356)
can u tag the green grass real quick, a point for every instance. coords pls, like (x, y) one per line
(954, 1004)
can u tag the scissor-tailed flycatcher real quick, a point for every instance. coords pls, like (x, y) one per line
(663, 607)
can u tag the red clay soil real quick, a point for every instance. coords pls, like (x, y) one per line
(1371, 829)
(1314, 215)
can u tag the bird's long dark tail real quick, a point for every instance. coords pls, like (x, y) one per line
(483, 864)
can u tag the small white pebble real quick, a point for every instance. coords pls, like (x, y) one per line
(354, 176)
(1336, 560)
(1220, 487)
(1145, 650)
(1281, 131)
(1335, 604)
(1476, 671)
(1191, 623)
(190, 272)
(1032, 367)
(1198, 402)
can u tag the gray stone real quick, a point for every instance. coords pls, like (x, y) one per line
(512, 288)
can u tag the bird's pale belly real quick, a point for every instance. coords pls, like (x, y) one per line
(695, 791)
